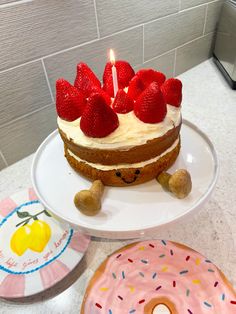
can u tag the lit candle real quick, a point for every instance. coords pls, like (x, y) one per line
(114, 72)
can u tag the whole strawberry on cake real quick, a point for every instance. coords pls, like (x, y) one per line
(123, 139)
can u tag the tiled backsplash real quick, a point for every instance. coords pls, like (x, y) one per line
(42, 40)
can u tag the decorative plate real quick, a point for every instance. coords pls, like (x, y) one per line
(36, 250)
(158, 277)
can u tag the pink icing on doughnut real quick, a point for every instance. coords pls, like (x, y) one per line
(132, 277)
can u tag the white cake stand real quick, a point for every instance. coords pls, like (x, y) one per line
(127, 212)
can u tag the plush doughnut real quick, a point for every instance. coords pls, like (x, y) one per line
(158, 277)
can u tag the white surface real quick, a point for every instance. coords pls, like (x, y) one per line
(211, 105)
(124, 210)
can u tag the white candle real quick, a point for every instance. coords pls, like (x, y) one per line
(114, 72)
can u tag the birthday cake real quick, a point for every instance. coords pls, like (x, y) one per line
(124, 138)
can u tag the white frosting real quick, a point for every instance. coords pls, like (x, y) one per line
(130, 132)
(161, 309)
(120, 166)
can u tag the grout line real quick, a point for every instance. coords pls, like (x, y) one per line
(96, 17)
(19, 65)
(143, 43)
(25, 115)
(122, 31)
(197, 6)
(47, 56)
(154, 58)
(174, 69)
(200, 5)
(204, 27)
(189, 42)
(165, 53)
(46, 76)
(6, 5)
(160, 18)
(4, 159)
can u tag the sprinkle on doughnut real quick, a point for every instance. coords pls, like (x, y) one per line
(182, 272)
(187, 258)
(114, 275)
(98, 305)
(144, 261)
(216, 284)
(151, 245)
(158, 288)
(211, 270)
(162, 255)
(120, 297)
(164, 242)
(174, 283)
(110, 312)
(118, 256)
(131, 288)
(233, 302)
(187, 292)
(208, 261)
(104, 289)
(164, 269)
(171, 252)
(223, 297)
(190, 312)
(141, 301)
(207, 304)
(132, 311)
(141, 274)
(130, 260)
(198, 261)
(123, 274)
(196, 281)
(154, 275)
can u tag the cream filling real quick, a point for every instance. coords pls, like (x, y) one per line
(130, 132)
(120, 166)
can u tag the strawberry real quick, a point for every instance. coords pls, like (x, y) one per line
(142, 79)
(149, 75)
(85, 79)
(122, 103)
(98, 119)
(102, 93)
(172, 92)
(124, 74)
(136, 87)
(150, 106)
(108, 88)
(70, 102)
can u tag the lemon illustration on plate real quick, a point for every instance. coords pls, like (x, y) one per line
(40, 235)
(34, 237)
(21, 240)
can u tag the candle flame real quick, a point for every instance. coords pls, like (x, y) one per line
(112, 57)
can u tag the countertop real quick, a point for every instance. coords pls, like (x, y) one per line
(211, 105)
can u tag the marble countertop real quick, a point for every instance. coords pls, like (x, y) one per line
(211, 105)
